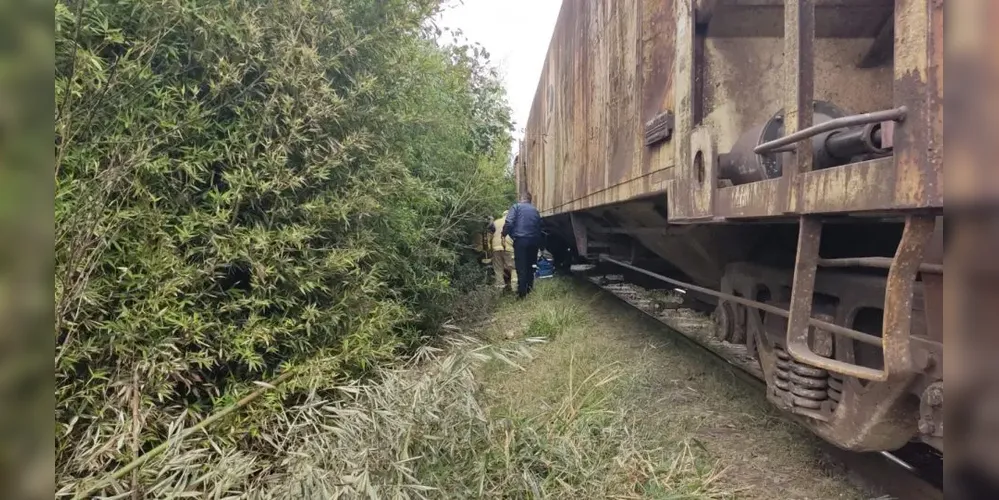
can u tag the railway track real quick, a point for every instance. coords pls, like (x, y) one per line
(914, 472)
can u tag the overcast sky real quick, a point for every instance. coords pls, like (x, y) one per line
(516, 34)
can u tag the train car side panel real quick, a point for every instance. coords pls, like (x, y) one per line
(607, 73)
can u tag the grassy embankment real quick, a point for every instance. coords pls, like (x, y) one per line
(566, 395)
(530, 403)
(672, 422)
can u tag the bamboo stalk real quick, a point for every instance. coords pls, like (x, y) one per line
(138, 462)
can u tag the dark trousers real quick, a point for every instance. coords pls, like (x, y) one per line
(525, 254)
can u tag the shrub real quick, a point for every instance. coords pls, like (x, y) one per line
(247, 187)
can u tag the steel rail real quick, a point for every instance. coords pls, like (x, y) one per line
(870, 469)
(784, 313)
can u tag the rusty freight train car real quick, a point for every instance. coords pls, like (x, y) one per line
(781, 161)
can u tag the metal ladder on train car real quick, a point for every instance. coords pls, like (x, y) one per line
(799, 35)
(902, 272)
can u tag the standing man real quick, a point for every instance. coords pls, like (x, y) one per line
(502, 247)
(523, 223)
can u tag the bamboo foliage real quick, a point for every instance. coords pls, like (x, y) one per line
(245, 187)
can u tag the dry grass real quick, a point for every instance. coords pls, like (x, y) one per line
(675, 399)
(675, 468)
(421, 430)
(602, 406)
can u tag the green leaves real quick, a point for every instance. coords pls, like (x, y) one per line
(245, 185)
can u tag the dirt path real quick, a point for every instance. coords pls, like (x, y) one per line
(675, 399)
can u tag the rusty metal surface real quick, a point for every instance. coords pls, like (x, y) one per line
(898, 302)
(680, 191)
(799, 78)
(800, 318)
(855, 187)
(659, 128)
(861, 141)
(888, 135)
(834, 18)
(614, 66)
(701, 251)
(743, 165)
(931, 414)
(868, 417)
(745, 81)
(754, 200)
(899, 293)
(919, 139)
(743, 89)
(608, 71)
(933, 284)
(799, 93)
(879, 474)
(876, 262)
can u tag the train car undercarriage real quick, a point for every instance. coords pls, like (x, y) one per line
(842, 388)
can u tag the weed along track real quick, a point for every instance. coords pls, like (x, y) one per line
(636, 411)
(911, 472)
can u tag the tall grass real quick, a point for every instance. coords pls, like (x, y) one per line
(551, 289)
(419, 431)
(554, 312)
(554, 320)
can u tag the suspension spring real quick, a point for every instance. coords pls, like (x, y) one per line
(807, 386)
(835, 389)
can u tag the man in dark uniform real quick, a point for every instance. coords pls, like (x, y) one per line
(523, 224)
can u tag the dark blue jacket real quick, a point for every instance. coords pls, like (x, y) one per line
(523, 221)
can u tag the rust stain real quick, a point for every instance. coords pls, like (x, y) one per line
(656, 42)
(608, 65)
(917, 148)
(899, 292)
(854, 187)
(911, 36)
(613, 65)
(703, 155)
(678, 196)
(580, 107)
(757, 199)
(937, 92)
(648, 184)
